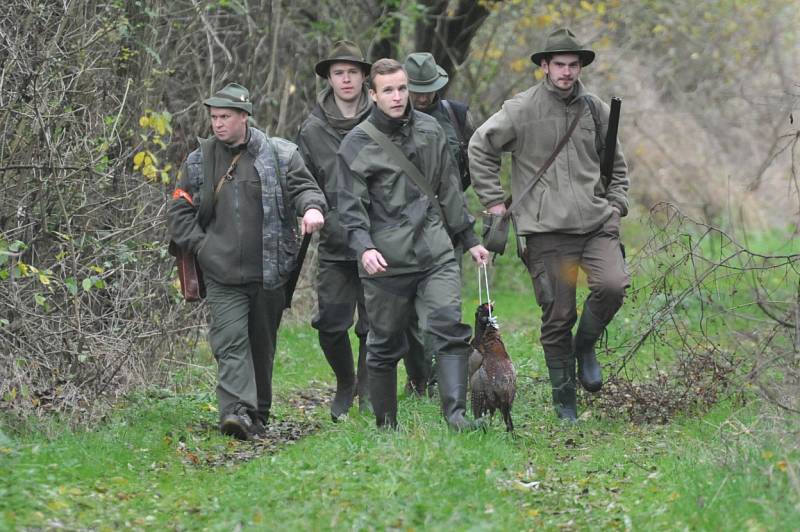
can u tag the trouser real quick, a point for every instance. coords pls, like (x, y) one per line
(243, 335)
(339, 295)
(553, 260)
(433, 295)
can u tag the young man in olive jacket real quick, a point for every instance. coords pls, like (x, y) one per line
(570, 218)
(235, 208)
(341, 105)
(402, 240)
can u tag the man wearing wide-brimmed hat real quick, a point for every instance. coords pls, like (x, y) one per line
(426, 80)
(341, 105)
(234, 209)
(570, 217)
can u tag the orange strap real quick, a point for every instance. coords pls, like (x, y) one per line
(180, 193)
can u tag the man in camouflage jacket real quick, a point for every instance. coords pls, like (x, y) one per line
(235, 208)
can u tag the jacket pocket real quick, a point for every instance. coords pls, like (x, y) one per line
(542, 288)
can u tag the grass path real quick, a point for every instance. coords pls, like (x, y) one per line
(158, 463)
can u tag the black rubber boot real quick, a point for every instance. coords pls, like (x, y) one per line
(562, 381)
(336, 346)
(589, 330)
(452, 373)
(383, 396)
(362, 377)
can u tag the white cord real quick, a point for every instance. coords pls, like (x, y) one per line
(485, 269)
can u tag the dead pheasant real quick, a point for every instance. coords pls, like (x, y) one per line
(493, 378)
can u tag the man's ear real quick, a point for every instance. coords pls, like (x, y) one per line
(373, 94)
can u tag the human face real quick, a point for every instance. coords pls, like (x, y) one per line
(390, 93)
(346, 80)
(563, 70)
(422, 100)
(229, 125)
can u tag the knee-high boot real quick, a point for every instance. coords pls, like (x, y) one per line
(589, 330)
(336, 346)
(383, 396)
(362, 377)
(562, 381)
(452, 373)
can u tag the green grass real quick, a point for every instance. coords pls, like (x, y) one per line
(156, 462)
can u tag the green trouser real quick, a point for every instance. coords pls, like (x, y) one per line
(243, 336)
(553, 261)
(434, 296)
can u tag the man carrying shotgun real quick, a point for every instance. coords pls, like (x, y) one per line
(235, 208)
(566, 204)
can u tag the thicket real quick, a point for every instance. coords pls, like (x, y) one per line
(100, 103)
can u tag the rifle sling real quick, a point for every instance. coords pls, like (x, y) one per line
(405, 164)
(547, 163)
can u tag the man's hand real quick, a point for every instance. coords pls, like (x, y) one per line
(479, 253)
(373, 262)
(499, 209)
(312, 221)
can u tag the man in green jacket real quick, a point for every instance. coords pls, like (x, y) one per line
(235, 208)
(570, 218)
(426, 80)
(340, 106)
(401, 234)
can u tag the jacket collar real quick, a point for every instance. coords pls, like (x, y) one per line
(389, 125)
(577, 91)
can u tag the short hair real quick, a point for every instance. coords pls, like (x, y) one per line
(385, 66)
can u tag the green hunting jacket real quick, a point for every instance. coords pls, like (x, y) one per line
(570, 197)
(382, 208)
(318, 141)
(251, 234)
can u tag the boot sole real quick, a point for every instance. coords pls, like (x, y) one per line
(232, 428)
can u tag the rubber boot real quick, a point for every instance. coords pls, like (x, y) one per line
(362, 377)
(383, 396)
(336, 346)
(452, 372)
(589, 330)
(417, 368)
(562, 381)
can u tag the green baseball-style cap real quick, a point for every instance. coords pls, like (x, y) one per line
(343, 51)
(563, 41)
(424, 75)
(232, 96)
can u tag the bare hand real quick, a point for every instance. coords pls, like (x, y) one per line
(479, 253)
(312, 221)
(373, 262)
(499, 209)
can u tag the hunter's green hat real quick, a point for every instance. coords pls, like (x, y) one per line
(424, 75)
(563, 41)
(232, 96)
(342, 52)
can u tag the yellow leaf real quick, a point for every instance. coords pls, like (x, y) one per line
(538, 74)
(533, 513)
(587, 6)
(23, 268)
(44, 279)
(601, 8)
(782, 465)
(138, 159)
(766, 455)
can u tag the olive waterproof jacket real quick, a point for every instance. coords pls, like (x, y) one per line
(382, 208)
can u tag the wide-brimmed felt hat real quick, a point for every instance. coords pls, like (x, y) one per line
(232, 96)
(563, 41)
(342, 52)
(424, 75)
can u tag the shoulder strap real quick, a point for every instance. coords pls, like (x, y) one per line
(399, 157)
(547, 163)
(457, 125)
(206, 208)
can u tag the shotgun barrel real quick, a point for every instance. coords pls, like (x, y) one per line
(610, 151)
